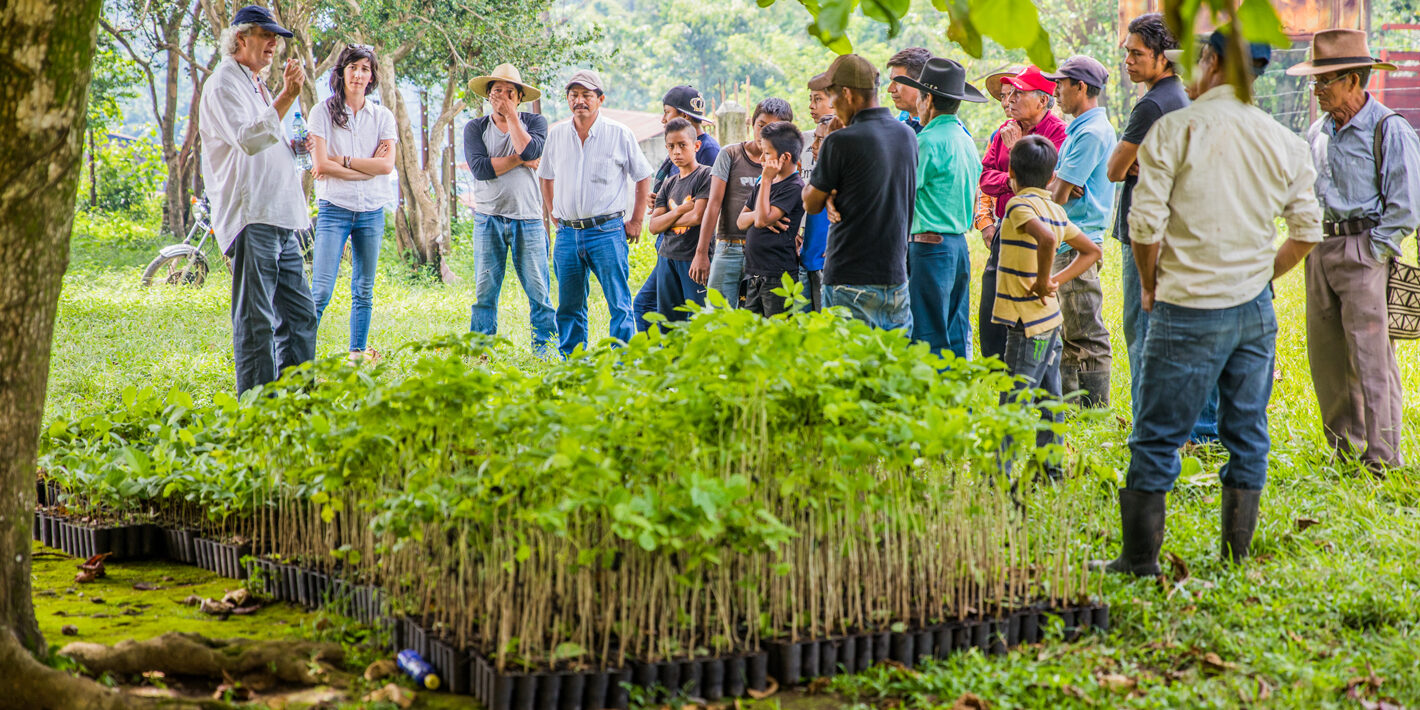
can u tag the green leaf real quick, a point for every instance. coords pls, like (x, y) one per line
(1260, 23)
(567, 651)
(832, 17)
(523, 553)
(1014, 24)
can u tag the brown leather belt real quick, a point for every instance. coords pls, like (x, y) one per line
(1348, 227)
(730, 241)
(926, 238)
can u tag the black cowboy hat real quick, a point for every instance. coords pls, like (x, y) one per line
(945, 78)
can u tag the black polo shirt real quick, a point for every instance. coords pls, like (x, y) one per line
(873, 164)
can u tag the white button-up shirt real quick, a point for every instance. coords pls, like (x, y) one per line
(362, 134)
(590, 179)
(1213, 177)
(247, 164)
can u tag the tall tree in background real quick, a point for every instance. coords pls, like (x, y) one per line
(48, 53)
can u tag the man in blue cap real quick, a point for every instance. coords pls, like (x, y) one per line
(257, 203)
(1213, 178)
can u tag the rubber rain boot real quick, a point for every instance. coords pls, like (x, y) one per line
(1239, 522)
(1095, 383)
(1142, 522)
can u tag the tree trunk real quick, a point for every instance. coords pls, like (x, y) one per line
(48, 51)
(421, 221)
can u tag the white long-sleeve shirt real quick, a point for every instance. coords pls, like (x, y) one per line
(247, 165)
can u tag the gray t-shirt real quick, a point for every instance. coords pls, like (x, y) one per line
(740, 175)
(514, 194)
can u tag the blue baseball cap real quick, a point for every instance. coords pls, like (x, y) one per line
(261, 17)
(1261, 51)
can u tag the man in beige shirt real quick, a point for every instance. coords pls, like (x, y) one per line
(1213, 177)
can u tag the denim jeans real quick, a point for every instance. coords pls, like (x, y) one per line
(727, 269)
(365, 230)
(1136, 329)
(991, 334)
(760, 297)
(674, 288)
(886, 307)
(577, 256)
(645, 300)
(939, 281)
(1188, 352)
(813, 288)
(1035, 362)
(493, 238)
(273, 316)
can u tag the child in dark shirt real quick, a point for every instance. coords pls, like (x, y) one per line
(772, 251)
(680, 205)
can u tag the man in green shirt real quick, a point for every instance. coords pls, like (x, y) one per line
(948, 168)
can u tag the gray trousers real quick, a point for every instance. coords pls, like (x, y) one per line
(273, 314)
(1085, 337)
(1352, 360)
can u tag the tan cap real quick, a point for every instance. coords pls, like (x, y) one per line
(587, 78)
(849, 70)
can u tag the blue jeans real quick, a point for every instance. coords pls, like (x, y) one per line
(727, 269)
(885, 307)
(992, 334)
(645, 301)
(273, 316)
(674, 288)
(1188, 353)
(813, 287)
(939, 281)
(365, 230)
(578, 255)
(1136, 329)
(493, 238)
(1035, 362)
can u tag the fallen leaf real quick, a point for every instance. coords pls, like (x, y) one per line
(1076, 693)
(969, 701)
(69, 630)
(1304, 523)
(237, 597)
(1116, 681)
(97, 600)
(1215, 663)
(192, 600)
(768, 691)
(214, 607)
(1180, 568)
(146, 586)
(381, 669)
(817, 685)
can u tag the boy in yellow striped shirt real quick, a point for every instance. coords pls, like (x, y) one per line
(1032, 228)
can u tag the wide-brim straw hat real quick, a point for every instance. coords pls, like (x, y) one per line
(992, 81)
(503, 72)
(1338, 50)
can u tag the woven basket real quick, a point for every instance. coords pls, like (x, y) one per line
(1403, 300)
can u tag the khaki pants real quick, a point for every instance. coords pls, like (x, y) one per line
(1087, 356)
(1352, 361)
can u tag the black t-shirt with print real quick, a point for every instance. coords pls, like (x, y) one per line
(770, 253)
(679, 243)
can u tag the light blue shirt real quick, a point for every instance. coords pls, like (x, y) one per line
(1084, 161)
(1346, 174)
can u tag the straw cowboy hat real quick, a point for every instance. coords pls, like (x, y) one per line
(503, 72)
(992, 81)
(1338, 50)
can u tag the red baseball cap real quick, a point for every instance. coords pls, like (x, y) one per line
(1031, 80)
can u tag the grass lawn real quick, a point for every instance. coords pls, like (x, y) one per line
(1324, 616)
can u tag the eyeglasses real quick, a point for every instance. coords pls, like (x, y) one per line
(1315, 83)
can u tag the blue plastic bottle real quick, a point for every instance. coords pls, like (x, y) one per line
(299, 135)
(417, 668)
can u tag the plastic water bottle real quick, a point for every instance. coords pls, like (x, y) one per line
(299, 135)
(417, 668)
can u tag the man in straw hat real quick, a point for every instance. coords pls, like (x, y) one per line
(948, 168)
(1213, 179)
(503, 149)
(1368, 181)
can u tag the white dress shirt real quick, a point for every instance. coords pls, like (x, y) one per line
(1213, 178)
(247, 164)
(590, 179)
(363, 133)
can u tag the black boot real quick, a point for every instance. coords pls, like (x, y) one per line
(1239, 522)
(1142, 521)
(1095, 383)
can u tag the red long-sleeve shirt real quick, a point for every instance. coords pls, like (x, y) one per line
(995, 178)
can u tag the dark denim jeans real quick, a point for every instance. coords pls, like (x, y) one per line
(674, 288)
(645, 301)
(939, 281)
(365, 230)
(577, 256)
(1136, 329)
(1035, 362)
(273, 316)
(885, 307)
(1187, 354)
(991, 334)
(493, 238)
